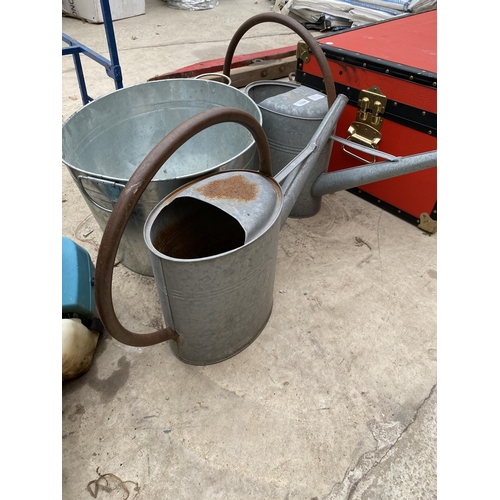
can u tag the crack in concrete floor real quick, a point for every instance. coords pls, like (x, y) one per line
(368, 462)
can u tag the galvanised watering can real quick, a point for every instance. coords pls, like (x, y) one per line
(291, 113)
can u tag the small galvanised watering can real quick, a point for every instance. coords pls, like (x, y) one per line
(291, 113)
(213, 242)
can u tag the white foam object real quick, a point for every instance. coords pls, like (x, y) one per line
(78, 347)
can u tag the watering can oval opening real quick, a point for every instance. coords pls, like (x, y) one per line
(213, 216)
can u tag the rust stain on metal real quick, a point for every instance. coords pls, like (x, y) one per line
(235, 187)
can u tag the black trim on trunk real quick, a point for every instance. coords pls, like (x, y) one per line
(417, 119)
(391, 208)
(405, 72)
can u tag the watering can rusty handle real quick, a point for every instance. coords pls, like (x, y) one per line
(301, 31)
(129, 198)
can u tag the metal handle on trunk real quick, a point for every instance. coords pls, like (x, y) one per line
(301, 31)
(129, 198)
(354, 155)
(96, 180)
(376, 153)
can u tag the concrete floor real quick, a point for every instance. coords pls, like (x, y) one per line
(336, 399)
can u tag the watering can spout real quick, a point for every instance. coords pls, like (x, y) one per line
(349, 178)
(295, 176)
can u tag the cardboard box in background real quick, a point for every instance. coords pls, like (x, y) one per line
(90, 10)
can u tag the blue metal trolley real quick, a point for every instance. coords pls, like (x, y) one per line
(112, 65)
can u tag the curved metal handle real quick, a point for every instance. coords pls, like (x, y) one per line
(301, 31)
(220, 75)
(129, 198)
(96, 180)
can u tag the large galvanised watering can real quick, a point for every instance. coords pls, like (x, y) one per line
(213, 242)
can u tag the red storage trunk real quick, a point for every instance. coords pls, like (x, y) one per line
(397, 57)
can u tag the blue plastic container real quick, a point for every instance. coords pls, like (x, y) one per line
(77, 281)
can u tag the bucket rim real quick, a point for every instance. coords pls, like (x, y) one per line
(148, 83)
(174, 81)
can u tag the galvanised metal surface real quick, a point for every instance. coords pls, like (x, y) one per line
(288, 132)
(214, 241)
(215, 284)
(249, 198)
(213, 245)
(105, 141)
(289, 128)
(372, 172)
(209, 243)
(300, 101)
(297, 178)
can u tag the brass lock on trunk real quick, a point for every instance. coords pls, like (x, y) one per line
(366, 129)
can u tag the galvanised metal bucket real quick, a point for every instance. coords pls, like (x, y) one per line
(105, 141)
